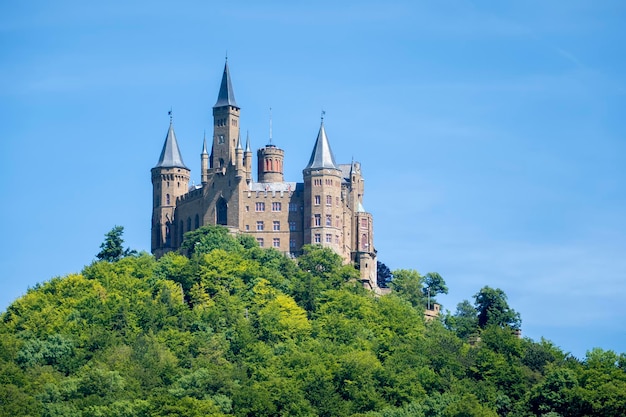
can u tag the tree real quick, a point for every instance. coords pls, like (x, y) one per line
(383, 275)
(493, 309)
(464, 321)
(409, 284)
(433, 285)
(112, 249)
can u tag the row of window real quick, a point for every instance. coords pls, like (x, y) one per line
(317, 238)
(317, 220)
(273, 165)
(223, 122)
(260, 226)
(317, 200)
(317, 182)
(276, 206)
(276, 242)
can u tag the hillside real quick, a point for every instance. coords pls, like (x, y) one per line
(235, 330)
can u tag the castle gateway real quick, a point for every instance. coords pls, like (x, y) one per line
(325, 209)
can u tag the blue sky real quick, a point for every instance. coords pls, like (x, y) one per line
(491, 134)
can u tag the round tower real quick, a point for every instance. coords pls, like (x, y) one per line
(323, 211)
(170, 180)
(270, 164)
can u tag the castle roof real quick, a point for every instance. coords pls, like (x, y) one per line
(170, 155)
(226, 97)
(322, 156)
(276, 186)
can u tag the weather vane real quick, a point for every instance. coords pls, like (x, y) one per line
(169, 113)
(323, 113)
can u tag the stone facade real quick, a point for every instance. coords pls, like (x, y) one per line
(325, 209)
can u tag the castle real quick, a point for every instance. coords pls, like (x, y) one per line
(325, 209)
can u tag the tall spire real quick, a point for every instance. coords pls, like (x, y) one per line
(248, 142)
(322, 156)
(226, 96)
(170, 155)
(239, 141)
(204, 152)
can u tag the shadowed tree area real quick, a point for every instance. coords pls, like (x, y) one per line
(226, 328)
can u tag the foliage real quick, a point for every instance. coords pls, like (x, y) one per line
(236, 330)
(112, 249)
(383, 275)
(493, 309)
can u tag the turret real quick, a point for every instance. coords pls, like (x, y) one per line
(170, 180)
(323, 211)
(270, 164)
(225, 124)
(239, 158)
(247, 159)
(204, 163)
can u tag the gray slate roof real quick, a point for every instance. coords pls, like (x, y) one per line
(322, 156)
(276, 186)
(226, 97)
(170, 155)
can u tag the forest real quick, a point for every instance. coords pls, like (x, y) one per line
(225, 328)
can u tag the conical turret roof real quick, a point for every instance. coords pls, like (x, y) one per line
(322, 156)
(170, 155)
(226, 97)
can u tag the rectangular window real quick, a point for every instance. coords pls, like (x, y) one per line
(260, 225)
(337, 201)
(276, 206)
(318, 238)
(329, 238)
(292, 226)
(260, 241)
(247, 227)
(318, 220)
(276, 242)
(292, 243)
(329, 220)
(247, 208)
(318, 200)
(364, 223)
(329, 200)
(259, 206)
(293, 207)
(276, 225)
(337, 239)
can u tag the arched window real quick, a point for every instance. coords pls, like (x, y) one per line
(197, 221)
(221, 212)
(167, 199)
(364, 244)
(181, 231)
(221, 163)
(188, 224)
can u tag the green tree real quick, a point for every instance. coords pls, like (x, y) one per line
(433, 285)
(409, 285)
(112, 249)
(493, 309)
(464, 322)
(383, 274)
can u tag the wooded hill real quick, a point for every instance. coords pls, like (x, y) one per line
(230, 329)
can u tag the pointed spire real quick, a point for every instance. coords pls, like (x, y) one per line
(226, 96)
(360, 209)
(170, 155)
(239, 141)
(204, 151)
(248, 142)
(322, 156)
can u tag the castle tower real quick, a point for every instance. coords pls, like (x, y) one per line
(322, 196)
(270, 164)
(204, 163)
(247, 160)
(170, 180)
(365, 254)
(225, 124)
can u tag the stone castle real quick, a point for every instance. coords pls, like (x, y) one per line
(325, 209)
